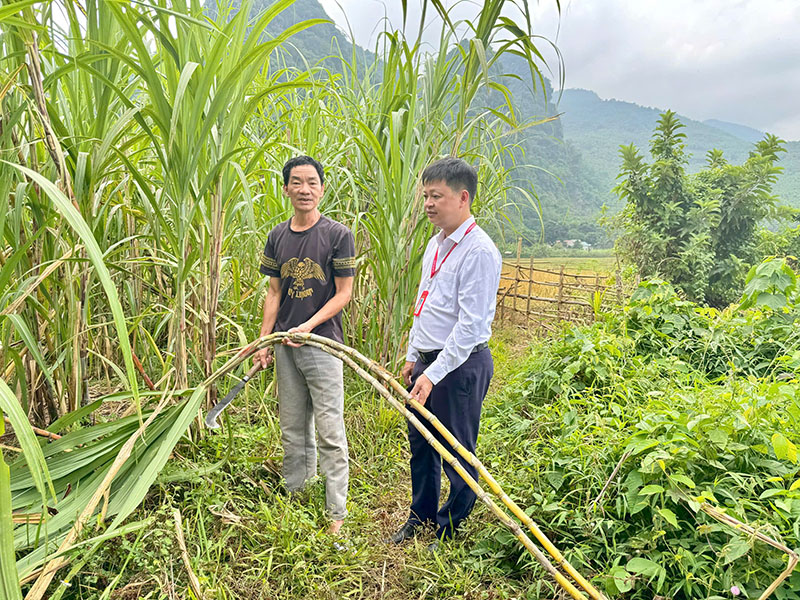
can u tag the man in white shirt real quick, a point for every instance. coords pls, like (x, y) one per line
(448, 363)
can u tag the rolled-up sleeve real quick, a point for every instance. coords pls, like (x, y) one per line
(477, 293)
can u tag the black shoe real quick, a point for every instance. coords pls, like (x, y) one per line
(406, 532)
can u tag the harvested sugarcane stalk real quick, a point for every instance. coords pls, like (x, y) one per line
(350, 356)
(453, 462)
(387, 377)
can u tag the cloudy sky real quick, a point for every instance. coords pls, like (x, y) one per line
(734, 60)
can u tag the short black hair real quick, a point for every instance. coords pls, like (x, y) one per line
(456, 174)
(299, 161)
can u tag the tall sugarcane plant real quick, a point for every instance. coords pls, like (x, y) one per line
(140, 154)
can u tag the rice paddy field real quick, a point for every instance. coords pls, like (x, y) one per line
(603, 265)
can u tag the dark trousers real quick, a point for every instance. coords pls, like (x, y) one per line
(456, 400)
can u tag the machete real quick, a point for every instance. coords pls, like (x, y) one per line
(211, 417)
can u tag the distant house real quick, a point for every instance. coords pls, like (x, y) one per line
(566, 243)
(572, 244)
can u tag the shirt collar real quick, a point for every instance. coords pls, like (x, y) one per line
(458, 234)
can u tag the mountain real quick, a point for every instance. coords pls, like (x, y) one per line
(598, 127)
(748, 134)
(310, 46)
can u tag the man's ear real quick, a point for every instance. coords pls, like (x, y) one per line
(286, 191)
(465, 197)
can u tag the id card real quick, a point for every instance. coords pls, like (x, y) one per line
(420, 303)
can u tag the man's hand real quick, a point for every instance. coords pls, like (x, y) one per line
(303, 328)
(422, 389)
(263, 357)
(408, 368)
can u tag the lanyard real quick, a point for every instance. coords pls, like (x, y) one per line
(434, 270)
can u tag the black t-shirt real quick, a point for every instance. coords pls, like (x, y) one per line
(306, 262)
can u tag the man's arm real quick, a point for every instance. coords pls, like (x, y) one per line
(270, 315)
(344, 289)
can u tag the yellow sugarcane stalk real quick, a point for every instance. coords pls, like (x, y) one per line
(453, 462)
(387, 377)
(738, 525)
(347, 355)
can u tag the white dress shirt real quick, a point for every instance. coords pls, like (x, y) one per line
(458, 310)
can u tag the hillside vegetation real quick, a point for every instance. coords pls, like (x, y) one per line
(599, 127)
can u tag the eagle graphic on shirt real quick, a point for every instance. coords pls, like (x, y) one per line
(301, 270)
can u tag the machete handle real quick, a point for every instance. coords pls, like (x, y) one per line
(253, 370)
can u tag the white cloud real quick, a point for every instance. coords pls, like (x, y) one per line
(735, 60)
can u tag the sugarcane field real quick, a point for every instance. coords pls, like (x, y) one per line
(361, 299)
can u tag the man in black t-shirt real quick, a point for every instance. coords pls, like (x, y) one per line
(310, 260)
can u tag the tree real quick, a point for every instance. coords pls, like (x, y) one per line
(699, 231)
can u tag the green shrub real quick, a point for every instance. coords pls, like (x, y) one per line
(694, 405)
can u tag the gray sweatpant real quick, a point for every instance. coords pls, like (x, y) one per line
(311, 390)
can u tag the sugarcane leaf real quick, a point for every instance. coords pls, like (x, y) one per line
(9, 579)
(31, 451)
(13, 8)
(158, 452)
(98, 539)
(183, 83)
(74, 416)
(88, 479)
(11, 263)
(33, 347)
(76, 221)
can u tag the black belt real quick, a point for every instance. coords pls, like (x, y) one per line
(430, 356)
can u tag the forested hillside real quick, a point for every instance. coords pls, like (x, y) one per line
(548, 166)
(598, 127)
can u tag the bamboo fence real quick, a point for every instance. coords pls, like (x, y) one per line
(538, 298)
